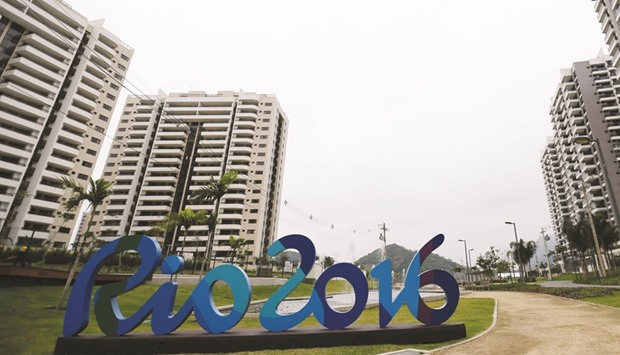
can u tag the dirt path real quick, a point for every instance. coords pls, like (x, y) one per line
(531, 323)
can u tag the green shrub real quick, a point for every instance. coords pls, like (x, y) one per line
(575, 293)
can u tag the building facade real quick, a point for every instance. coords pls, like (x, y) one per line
(168, 146)
(608, 14)
(60, 78)
(580, 161)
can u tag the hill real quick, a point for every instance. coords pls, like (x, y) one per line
(401, 257)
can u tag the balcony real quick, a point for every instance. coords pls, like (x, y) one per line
(26, 96)
(71, 137)
(43, 44)
(39, 56)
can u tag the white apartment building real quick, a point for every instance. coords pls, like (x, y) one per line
(60, 77)
(585, 104)
(168, 146)
(608, 14)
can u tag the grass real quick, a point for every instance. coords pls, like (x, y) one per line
(30, 324)
(609, 300)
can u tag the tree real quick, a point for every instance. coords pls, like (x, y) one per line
(282, 263)
(213, 191)
(328, 261)
(488, 262)
(526, 252)
(96, 192)
(235, 244)
(502, 266)
(185, 219)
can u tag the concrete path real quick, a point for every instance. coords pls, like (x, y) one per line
(571, 284)
(530, 323)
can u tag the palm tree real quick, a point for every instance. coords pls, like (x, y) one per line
(186, 218)
(235, 244)
(213, 191)
(525, 250)
(97, 191)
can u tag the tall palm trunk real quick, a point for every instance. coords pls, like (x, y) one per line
(80, 251)
(207, 258)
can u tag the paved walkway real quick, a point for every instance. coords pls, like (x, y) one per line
(530, 323)
(571, 284)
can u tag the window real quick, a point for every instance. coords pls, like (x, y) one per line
(99, 129)
(107, 173)
(121, 67)
(114, 86)
(261, 154)
(252, 221)
(263, 137)
(82, 176)
(250, 231)
(113, 155)
(87, 164)
(91, 152)
(116, 146)
(107, 107)
(127, 113)
(95, 140)
(109, 164)
(266, 120)
(255, 201)
(103, 118)
(118, 138)
(122, 129)
(124, 57)
(267, 112)
(117, 76)
(264, 128)
(262, 145)
(64, 230)
(259, 172)
(258, 181)
(110, 96)
(260, 163)
(124, 121)
(255, 191)
(254, 210)
(268, 104)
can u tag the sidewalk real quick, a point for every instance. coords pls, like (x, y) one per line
(530, 323)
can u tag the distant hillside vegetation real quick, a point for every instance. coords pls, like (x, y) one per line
(401, 257)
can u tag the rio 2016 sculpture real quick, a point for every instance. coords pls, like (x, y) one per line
(164, 321)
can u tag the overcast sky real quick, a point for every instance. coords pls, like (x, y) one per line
(429, 116)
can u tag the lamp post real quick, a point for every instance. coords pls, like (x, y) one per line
(517, 246)
(466, 261)
(469, 253)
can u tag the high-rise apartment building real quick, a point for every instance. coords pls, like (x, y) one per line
(60, 77)
(608, 12)
(584, 151)
(168, 146)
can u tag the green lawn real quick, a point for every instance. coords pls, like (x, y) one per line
(30, 325)
(609, 300)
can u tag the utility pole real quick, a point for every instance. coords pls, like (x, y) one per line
(383, 238)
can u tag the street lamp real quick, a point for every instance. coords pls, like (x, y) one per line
(597, 248)
(469, 253)
(466, 262)
(518, 252)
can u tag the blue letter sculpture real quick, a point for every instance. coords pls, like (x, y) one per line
(161, 304)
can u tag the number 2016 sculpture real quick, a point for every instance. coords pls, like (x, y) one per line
(160, 305)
